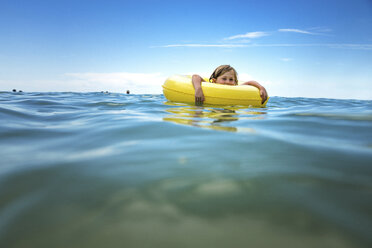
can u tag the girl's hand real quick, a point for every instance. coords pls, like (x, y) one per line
(263, 94)
(197, 84)
(199, 96)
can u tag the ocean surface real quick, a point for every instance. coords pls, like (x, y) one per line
(115, 170)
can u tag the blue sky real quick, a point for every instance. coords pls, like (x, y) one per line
(294, 48)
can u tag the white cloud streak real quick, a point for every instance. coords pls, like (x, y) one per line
(286, 59)
(120, 82)
(249, 35)
(294, 30)
(329, 45)
(205, 45)
(138, 83)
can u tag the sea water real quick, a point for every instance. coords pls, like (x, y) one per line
(115, 170)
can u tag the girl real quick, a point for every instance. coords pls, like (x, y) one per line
(224, 74)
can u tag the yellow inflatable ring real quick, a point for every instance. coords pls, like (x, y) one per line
(179, 88)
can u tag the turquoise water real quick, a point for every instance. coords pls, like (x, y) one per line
(114, 170)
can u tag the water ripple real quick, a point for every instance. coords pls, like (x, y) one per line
(111, 167)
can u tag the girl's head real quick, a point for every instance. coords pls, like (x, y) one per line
(224, 74)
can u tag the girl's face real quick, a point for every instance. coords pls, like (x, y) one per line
(226, 78)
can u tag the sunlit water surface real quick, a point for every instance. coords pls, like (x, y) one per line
(114, 170)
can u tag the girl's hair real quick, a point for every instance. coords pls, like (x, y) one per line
(222, 69)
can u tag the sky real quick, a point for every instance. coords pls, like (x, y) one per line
(294, 48)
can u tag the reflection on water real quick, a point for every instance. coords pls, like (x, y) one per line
(217, 118)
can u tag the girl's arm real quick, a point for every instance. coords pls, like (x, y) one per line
(196, 82)
(262, 89)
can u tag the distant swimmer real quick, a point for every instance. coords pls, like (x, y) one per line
(128, 92)
(14, 90)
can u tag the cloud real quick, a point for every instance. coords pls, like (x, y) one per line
(250, 35)
(138, 83)
(286, 59)
(351, 46)
(205, 45)
(294, 31)
(320, 31)
(258, 34)
(329, 45)
(245, 77)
